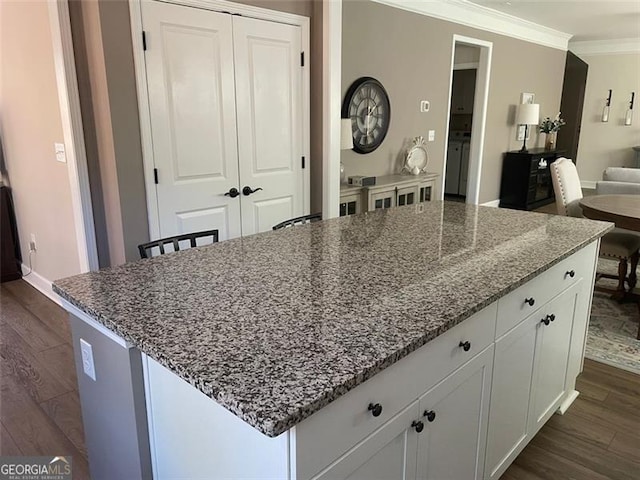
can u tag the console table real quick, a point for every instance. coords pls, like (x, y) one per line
(389, 191)
(526, 178)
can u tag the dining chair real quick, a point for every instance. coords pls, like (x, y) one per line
(145, 249)
(619, 244)
(314, 217)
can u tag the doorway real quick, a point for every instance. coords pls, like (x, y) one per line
(469, 90)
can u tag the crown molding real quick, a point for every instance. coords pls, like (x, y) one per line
(477, 16)
(606, 47)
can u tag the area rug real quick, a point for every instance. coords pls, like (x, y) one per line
(613, 328)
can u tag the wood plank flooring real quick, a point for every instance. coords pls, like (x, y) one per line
(39, 403)
(598, 437)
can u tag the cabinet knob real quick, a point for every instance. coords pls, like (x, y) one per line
(430, 414)
(545, 320)
(375, 409)
(571, 273)
(466, 346)
(551, 317)
(531, 301)
(418, 425)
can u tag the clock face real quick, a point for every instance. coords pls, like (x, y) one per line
(367, 105)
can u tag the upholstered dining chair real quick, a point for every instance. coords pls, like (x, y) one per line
(619, 244)
(146, 249)
(314, 217)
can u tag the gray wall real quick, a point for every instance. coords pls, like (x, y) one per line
(411, 55)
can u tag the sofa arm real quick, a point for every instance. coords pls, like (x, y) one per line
(621, 174)
(617, 188)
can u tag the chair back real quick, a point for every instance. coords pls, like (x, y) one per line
(314, 217)
(566, 186)
(146, 249)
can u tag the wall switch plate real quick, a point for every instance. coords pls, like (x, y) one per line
(61, 155)
(87, 359)
(432, 135)
(424, 106)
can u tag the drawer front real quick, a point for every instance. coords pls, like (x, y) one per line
(516, 306)
(328, 433)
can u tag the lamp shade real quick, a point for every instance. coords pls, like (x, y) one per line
(346, 134)
(528, 114)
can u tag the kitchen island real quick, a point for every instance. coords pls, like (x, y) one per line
(428, 341)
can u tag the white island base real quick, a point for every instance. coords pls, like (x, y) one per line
(446, 412)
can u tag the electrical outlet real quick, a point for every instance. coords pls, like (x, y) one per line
(33, 247)
(432, 135)
(87, 359)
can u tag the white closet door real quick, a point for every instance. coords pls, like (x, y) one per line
(190, 77)
(269, 109)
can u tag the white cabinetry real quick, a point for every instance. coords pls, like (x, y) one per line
(455, 414)
(530, 377)
(388, 453)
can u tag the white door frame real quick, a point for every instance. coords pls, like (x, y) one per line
(73, 133)
(331, 106)
(480, 103)
(135, 10)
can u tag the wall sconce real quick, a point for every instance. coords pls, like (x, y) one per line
(628, 118)
(605, 110)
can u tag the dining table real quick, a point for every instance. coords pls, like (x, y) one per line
(623, 210)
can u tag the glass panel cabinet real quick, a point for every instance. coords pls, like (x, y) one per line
(389, 191)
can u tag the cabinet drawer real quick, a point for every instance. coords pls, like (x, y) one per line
(328, 433)
(515, 306)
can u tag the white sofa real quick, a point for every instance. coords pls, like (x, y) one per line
(618, 181)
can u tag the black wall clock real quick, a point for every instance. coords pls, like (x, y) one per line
(367, 105)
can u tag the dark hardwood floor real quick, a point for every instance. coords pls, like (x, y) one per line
(39, 404)
(598, 437)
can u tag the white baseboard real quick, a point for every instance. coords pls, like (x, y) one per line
(566, 403)
(40, 283)
(588, 184)
(492, 203)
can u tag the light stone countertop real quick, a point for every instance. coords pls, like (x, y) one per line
(277, 325)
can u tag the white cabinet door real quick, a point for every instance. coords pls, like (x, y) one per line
(552, 356)
(190, 78)
(388, 453)
(384, 199)
(269, 102)
(455, 414)
(510, 392)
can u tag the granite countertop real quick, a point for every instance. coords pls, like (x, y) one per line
(275, 326)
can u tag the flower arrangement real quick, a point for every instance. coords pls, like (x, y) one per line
(548, 126)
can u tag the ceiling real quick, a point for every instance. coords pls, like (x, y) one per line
(584, 19)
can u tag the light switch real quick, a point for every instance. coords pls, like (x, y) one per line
(424, 106)
(432, 135)
(61, 155)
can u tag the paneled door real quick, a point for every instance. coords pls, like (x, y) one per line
(226, 109)
(190, 80)
(269, 108)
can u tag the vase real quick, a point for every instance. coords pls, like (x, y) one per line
(550, 141)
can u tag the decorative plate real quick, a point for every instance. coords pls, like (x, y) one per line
(417, 157)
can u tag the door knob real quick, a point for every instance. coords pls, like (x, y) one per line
(233, 193)
(418, 425)
(247, 190)
(430, 414)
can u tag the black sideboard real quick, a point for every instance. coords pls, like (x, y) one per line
(526, 178)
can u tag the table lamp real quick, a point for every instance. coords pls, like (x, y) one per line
(528, 114)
